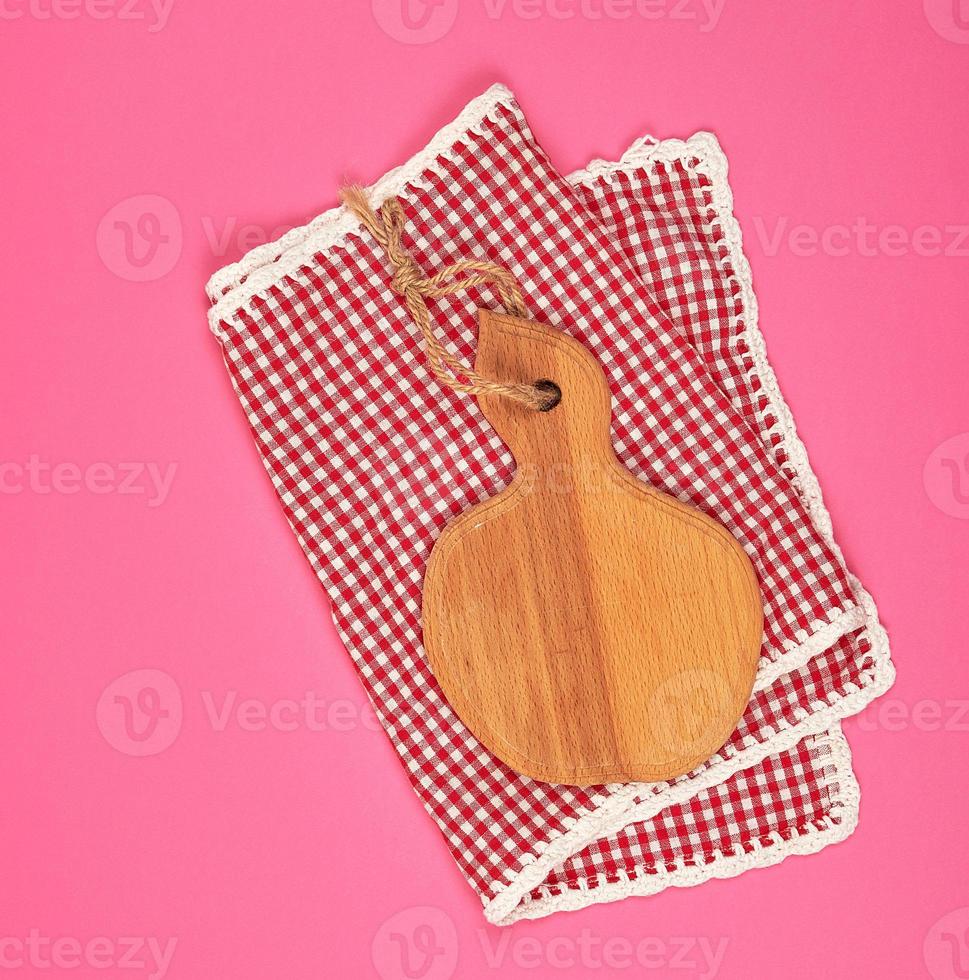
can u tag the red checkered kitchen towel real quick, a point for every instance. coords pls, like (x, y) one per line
(371, 457)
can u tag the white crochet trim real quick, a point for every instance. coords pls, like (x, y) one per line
(623, 806)
(235, 286)
(837, 825)
(812, 642)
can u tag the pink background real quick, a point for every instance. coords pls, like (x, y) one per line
(269, 852)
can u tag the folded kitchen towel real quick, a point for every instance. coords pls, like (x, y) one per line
(669, 207)
(371, 457)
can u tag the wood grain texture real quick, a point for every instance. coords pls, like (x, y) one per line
(586, 627)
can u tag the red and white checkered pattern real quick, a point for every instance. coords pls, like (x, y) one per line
(792, 802)
(371, 457)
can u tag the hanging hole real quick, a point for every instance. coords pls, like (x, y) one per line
(553, 392)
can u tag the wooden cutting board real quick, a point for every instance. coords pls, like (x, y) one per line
(585, 627)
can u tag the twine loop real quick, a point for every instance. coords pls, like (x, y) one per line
(409, 281)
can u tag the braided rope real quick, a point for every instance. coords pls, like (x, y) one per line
(387, 227)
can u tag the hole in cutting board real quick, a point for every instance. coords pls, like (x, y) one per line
(554, 393)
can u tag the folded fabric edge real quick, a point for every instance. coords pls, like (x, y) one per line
(235, 285)
(810, 643)
(513, 904)
(624, 807)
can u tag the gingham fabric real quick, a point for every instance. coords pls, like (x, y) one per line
(371, 458)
